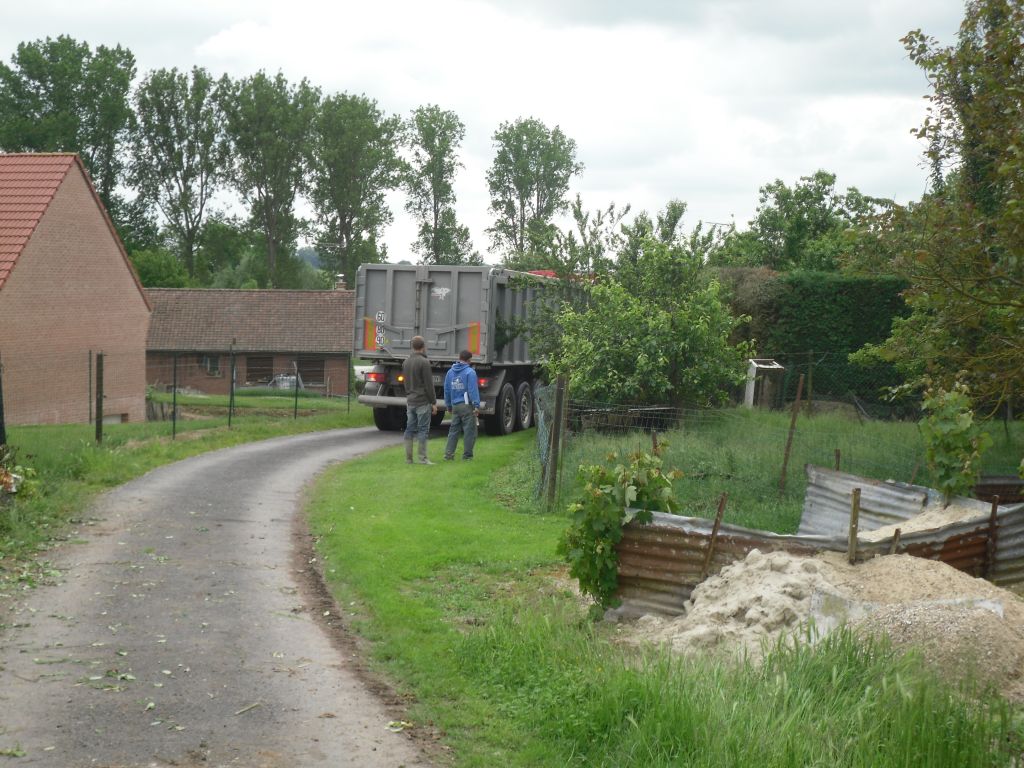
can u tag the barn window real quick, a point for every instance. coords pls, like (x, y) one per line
(210, 364)
(311, 370)
(259, 370)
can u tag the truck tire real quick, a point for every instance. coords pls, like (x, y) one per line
(524, 406)
(382, 419)
(503, 422)
(436, 419)
(398, 414)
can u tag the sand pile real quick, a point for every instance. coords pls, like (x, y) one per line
(958, 622)
(933, 516)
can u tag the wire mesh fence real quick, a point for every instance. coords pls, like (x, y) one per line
(114, 386)
(743, 453)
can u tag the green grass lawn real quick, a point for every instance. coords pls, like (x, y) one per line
(71, 468)
(261, 398)
(450, 572)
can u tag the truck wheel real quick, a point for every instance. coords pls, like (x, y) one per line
(398, 414)
(436, 419)
(382, 418)
(524, 406)
(503, 422)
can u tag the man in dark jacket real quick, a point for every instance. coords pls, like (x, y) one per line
(462, 398)
(420, 402)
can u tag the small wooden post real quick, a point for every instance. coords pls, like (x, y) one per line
(714, 536)
(895, 541)
(654, 442)
(851, 548)
(99, 397)
(838, 455)
(789, 438)
(556, 429)
(992, 544)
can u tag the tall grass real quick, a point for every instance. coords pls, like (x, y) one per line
(741, 452)
(461, 597)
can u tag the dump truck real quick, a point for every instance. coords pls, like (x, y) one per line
(480, 308)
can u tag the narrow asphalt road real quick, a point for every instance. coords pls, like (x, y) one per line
(186, 633)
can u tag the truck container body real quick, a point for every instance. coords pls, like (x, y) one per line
(479, 308)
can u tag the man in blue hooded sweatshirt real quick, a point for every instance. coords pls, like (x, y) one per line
(462, 398)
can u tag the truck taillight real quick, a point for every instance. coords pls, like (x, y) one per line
(483, 382)
(401, 378)
(377, 377)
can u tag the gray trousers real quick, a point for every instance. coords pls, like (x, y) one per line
(464, 423)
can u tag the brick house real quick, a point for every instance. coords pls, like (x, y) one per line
(67, 292)
(270, 332)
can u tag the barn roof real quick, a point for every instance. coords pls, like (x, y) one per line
(213, 320)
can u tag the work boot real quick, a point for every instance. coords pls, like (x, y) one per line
(408, 451)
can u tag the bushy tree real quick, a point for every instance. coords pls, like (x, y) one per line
(268, 123)
(528, 183)
(60, 95)
(962, 246)
(664, 339)
(434, 136)
(178, 153)
(354, 162)
(160, 268)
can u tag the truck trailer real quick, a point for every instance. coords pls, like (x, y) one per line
(479, 308)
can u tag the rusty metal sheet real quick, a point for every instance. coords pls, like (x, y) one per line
(661, 563)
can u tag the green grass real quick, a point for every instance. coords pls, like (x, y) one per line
(71, 468)
(451, 574)
(741, 452)
(262, 398)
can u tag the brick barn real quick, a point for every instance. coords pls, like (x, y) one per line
(270, 333)
(67, 292)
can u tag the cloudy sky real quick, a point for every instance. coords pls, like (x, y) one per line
(702, 100)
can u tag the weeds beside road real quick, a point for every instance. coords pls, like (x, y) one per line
(451, 572)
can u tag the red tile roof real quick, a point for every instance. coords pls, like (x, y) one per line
(27, 185)
(286, 321)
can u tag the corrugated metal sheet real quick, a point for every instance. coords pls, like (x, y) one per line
(827, 502)
(661, 563)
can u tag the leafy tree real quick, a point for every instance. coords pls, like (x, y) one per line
(961, 246)
(665, 339)
(178, 153)
(803, 227)
(434, 136)
(268, 124)
(954, 442)
(528, 183)
(667, 228)
(60, 95)
(354, 162)
(160, 268)
(222, 245)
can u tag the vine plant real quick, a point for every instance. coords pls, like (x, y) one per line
(953, 440)
(612, 497)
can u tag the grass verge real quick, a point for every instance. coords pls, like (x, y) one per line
(455, 583)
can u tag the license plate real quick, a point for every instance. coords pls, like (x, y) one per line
(438, 381)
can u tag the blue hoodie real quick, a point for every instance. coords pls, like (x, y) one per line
(460, 386)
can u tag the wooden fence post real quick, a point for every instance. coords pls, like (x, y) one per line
(714, 536)
(789, 438)
(556, 430)
(851, 546)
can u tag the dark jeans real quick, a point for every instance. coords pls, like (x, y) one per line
(464, 422)
(417, 422)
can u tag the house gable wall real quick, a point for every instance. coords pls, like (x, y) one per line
(71, 293)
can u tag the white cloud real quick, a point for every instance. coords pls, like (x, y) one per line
(705, 100)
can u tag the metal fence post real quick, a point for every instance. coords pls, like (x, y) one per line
(231, 385)
(174, 399)
(295, 412)
(99, 397)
